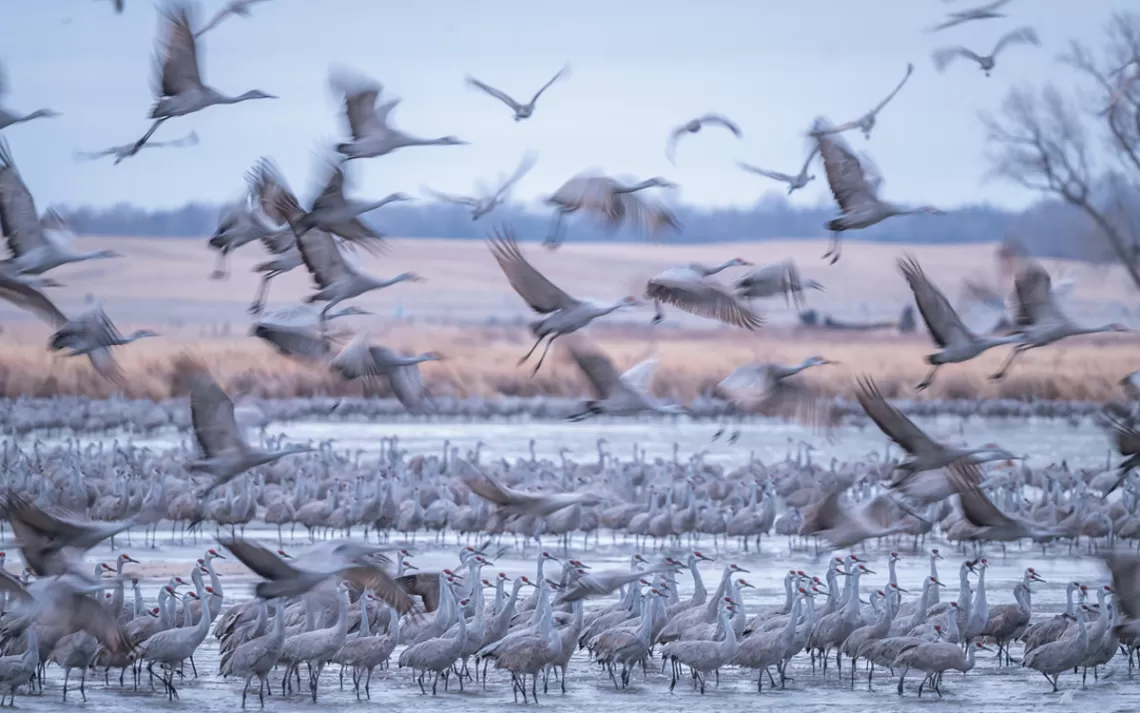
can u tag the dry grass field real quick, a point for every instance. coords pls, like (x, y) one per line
(164, 285)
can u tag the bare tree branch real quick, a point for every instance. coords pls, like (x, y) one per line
(1043, 142)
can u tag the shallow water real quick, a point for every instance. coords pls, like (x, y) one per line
(987, 687)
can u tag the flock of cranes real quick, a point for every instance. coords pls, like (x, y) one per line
(322, 235)
(361, 604)
(337, 602)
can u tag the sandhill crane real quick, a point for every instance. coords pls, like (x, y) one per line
(619, 394)
(853, 190)
(368, 123)
(563, 314)
(359, 360)
(178, 88)
(438, 654)
(237, 8)
(366, 650)
(1125, 570)
(286, 257)
(1009, 620)
(1121, 428)
(336, 278)
(267, 184)
(705, 656)
(780, 278)
(982, 12)
(171, 647)
(66, 601)
(924, 453)
(8, 118)
(51, 544)
(482, 205)
(516, 502)
(298, 342)
(331, 210)
(318, 647)
(92, 333)
(255, 216)
(689, 288)
(1056, 657)
(956, 342)
(522, 111)
(296, 330)
(225, 454)
(257, 657)
(599, 584)
(795, 183)
(765, 388)
(35, 249)
(357, 563)
(614, 203)
(694, 126)
(18, 670)
(934, 658)
(866, 122)
(1039, 320)
(1022, 35)
(842, 527)
(992, 524)
(23, 291)
(125, 151)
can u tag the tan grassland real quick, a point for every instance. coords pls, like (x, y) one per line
(164, 285)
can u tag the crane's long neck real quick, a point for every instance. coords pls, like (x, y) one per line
(698, 583)
(649, 183)
(719, 268)
(279, 619)
(365, 629)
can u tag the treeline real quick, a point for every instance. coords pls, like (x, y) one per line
(1049, 229)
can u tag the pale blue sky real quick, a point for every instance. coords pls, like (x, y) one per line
(639, 67)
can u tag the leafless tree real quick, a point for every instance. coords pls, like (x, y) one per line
(1083, 150)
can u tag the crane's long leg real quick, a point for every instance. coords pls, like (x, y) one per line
(833, 248)
(929, 378)
(262, 293)
(219, 272)
(658, 313)
(553, 239)
(544, 351)
(150, 132)
(1000, 373)
(528, 354)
